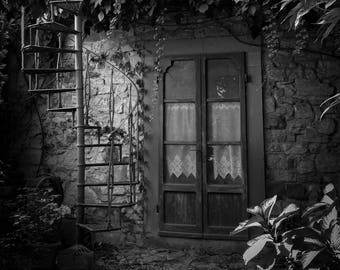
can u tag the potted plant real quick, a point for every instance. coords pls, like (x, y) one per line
(36, 224)
(295, 239)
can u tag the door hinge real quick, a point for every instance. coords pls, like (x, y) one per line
(157, 208)
(246, 78)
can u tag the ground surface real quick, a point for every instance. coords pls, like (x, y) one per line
(110, 257)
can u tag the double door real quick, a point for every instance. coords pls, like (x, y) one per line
(203, 181)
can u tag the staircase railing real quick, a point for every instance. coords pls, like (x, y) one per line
(132, 120)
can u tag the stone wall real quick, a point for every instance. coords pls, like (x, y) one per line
(302, 151)
(56, 152)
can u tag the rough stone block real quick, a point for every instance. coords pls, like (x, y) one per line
(296, 126)
(328, 67)
(276, 74)
(275, 122)
(296, 191)
(314, 148)
(295, 148)
(283, 175)
(306, 165)
(273, 147)
(269, 105)
(276, 188)
(326, 126)
(303, 110)
(328, 162)
(306, 87)
(296, 73)
(277, 161)
(311, 74)
(275, 135)
(311, 135)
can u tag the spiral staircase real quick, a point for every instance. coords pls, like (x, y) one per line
(35, 67)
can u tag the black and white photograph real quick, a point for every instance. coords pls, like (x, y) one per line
(169, 134)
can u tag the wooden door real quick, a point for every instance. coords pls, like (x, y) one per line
(203, 174)
(180, 189)
(223, 144)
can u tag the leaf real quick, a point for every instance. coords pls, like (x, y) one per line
(329, 218)
(269, 267)
(329, 3)
(101, 16)
(256, 210)
(96, 2)
(289, 237)
(262, 236)
(328, 188)
(292, 15)
(289, 211)
(336, 102)
(309, 256)
(252, 10)
(267, 207)
(335, 237)
(313, 241)
(314, 208)
(203, 8)
(327, 199)
(107, 8)
(285, 3)
(255, 249)
(252, 222)
(329, 20)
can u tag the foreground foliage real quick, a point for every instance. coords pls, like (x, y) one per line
(35, 219)
(308, 239)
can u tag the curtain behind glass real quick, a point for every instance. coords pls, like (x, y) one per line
(180, 122)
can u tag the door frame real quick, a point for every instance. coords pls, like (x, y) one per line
(202, 230)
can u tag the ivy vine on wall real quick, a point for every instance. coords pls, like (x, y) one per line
(268, 18)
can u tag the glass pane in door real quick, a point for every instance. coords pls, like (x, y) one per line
(180, 122)
(224, 121)
(224, 164)
(180, 164)
(223, 78)
(180, 80)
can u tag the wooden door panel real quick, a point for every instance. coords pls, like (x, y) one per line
(180, 187)
(224, 144)
(181, 208)
(224, 212)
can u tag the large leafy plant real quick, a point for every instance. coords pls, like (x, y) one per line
(301, 240)
(36, 219)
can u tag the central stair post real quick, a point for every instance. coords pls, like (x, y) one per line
(80, 115)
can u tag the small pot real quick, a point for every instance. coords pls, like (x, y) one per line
(44, 255)
(68, 231)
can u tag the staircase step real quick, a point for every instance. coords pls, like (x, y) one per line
(102, 145)
(92, 127)
(66, 109)
(104, 164)
(72, 6)
(102, 205)
(122, 183)
(47, 70)
(98, 227)
(36, 49)
(52, 90)
(53, 26)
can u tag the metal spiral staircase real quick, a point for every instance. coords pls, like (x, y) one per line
(34, 66)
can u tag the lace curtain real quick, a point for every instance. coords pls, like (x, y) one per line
(181, 161)
(180, 122)
(226, 161)
(223, 125)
